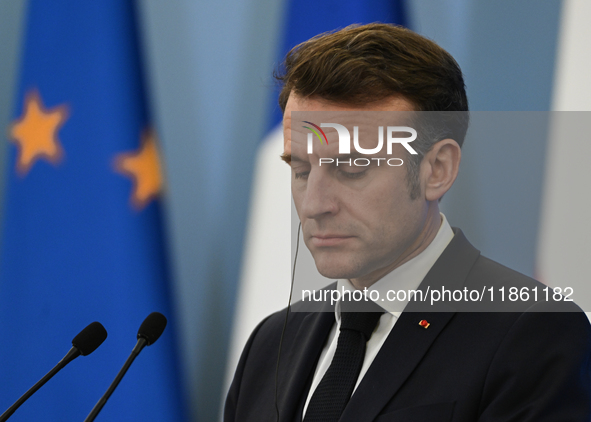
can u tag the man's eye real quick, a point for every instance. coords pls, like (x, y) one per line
(302, 175)
(353, 174)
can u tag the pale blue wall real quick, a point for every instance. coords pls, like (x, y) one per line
(11, 13)
(210, 74)
(506, 49)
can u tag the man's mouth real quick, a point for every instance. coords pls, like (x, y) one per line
(329, 240)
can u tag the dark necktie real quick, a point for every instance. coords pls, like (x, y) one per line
(335, 389)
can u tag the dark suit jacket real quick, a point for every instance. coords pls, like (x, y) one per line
(524, 364)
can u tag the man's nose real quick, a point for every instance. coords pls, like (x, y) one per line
(320, 197)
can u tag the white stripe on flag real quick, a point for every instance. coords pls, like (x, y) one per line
(265, 279)
(564, 246)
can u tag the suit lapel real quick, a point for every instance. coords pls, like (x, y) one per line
(408, 342)
(300, 361)
(401, 353)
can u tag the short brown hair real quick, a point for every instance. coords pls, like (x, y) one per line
(361, 64)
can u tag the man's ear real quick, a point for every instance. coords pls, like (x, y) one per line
(439, 168)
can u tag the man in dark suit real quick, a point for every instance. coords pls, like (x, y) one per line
(378, 229)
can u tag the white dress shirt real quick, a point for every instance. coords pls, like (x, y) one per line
(407, 277)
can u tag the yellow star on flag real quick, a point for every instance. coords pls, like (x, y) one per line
(143, 167)
(35, 133)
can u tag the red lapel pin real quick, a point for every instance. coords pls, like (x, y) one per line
(423, 323)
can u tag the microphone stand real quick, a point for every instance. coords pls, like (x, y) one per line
(141, 343)
(70, 356)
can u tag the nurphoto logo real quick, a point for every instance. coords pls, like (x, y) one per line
(345, 143)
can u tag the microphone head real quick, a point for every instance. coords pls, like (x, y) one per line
(90, 338)
(152, 327)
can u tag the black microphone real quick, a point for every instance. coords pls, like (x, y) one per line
(149, 332)
(83, 344)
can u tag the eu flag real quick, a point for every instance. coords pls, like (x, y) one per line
(82, 237)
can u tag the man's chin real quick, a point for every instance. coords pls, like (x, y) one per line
(335, 271)
(339, 264)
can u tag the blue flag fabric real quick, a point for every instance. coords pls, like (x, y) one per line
(82, 236)
(305, 19)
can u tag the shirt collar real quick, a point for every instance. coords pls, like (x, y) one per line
(406, 277)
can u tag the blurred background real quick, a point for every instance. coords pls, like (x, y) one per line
(165, 191)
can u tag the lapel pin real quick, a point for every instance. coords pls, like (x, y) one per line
(423, 323)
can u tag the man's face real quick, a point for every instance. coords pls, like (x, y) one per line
(358, 222)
